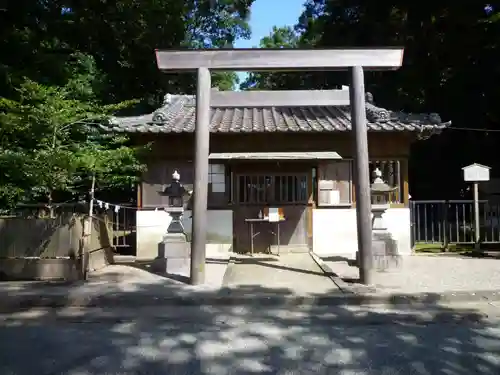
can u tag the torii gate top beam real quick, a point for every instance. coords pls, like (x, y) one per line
(280, 98)
(256, 59)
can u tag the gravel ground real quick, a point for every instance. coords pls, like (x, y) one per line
(430, 274)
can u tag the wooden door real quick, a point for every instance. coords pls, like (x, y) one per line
(258, 188)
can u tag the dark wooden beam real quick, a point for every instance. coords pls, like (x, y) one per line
(258, 59)
(295, 98)
(304, 155)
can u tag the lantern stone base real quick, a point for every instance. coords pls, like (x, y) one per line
(384, 247)
(174, 255)
(385, 251)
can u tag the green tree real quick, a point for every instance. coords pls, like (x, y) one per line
(449, 67)
(50, 143)
(65, 62)
(279, 37)
(37, 38)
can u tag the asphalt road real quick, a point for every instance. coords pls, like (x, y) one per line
(252, 340)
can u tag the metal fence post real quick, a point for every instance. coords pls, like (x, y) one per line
(445, 225)
(412, 224)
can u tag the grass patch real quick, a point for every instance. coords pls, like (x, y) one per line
(122, 233)
(489, 250)
(435, 248)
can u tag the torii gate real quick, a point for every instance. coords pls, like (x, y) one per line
(354, 60)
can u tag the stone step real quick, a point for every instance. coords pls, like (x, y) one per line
(283, 249)
(290, 249)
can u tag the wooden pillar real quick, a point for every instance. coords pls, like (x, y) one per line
(139, 195)
(405, 190)
(201, 153)
(311, 204)
(362, 180)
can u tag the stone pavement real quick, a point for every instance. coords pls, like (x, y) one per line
(294, 271)
(115, 285)
(292, 280)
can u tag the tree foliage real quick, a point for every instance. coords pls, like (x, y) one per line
(279, 37)
(450, 66)
(38, 37)
(50, 142)
(65, 64)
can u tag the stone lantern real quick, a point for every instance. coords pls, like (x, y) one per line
(174, 250)
(384, 247)
(175, 193)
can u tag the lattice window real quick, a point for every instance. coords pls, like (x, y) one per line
(217, 178)
(275, 189)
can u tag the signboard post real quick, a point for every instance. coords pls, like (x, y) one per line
(476, 173)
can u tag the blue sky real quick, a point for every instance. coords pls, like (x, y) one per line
(268, 13)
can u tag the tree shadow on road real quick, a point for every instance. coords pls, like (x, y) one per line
(243, 331)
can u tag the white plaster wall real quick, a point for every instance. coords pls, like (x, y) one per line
(335, 230)
(152, 226)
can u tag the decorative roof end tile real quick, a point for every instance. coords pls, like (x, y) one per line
(434, 118)
(374, 113)
(159, 117)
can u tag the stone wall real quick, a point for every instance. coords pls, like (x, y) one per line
(48, 249)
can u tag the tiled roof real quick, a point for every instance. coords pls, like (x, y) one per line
(177, 115)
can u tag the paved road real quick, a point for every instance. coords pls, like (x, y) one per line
(246, 340)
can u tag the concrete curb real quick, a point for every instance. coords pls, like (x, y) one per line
(230, 261)
(341, 284)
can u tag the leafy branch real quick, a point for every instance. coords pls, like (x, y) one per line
(50, 142)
